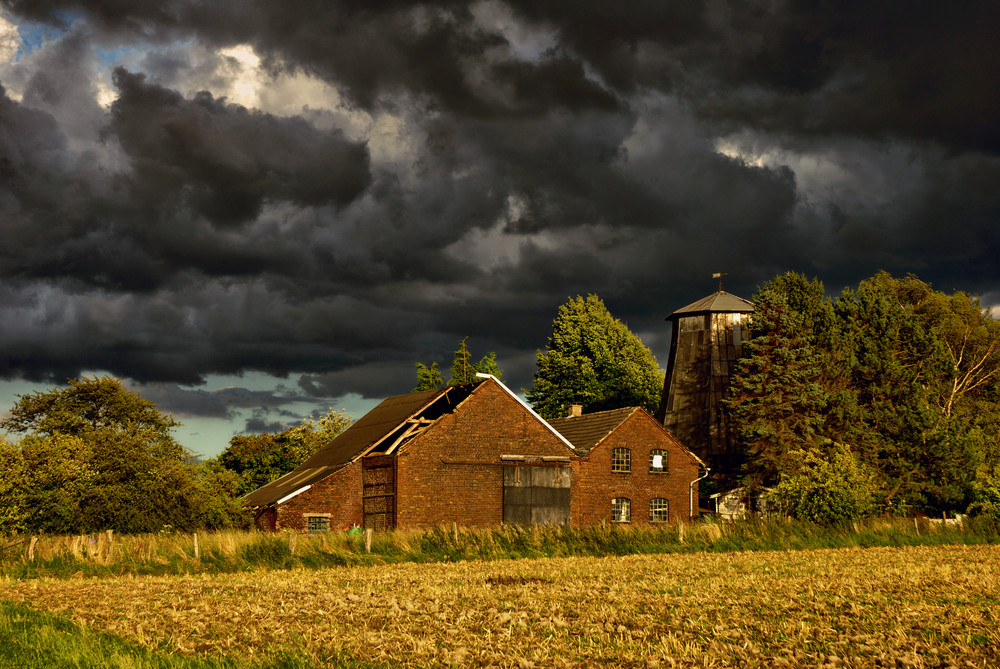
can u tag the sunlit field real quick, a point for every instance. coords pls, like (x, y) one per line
(930, 606)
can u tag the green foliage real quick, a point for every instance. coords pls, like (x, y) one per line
(593, 359)
(778, 398)
(258, 459)
(908, 376)
(986, 498)
(96, 456)
(463, 369)
(826, 488)
(14, 508)
(428, 378)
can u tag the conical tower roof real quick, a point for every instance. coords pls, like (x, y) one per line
(716, 302)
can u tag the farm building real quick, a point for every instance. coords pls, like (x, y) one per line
(629, 468)
(473, 454)
(706, 340)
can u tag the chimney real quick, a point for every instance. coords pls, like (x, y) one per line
(575, 410)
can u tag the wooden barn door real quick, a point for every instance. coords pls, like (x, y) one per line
(536, 495)
(378, 492)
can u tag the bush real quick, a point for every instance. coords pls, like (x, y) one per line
(986, 498)
(827, 488)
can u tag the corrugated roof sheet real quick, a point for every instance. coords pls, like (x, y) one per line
(348, 445)
(716, 302)
(586, 431)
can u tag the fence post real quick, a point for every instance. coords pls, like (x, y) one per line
(916, 526)
(680, 530)
(293, 540)
(197, 550)
(368, 539)
(454, 531)
(31, 549)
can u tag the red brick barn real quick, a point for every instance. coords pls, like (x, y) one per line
(473, 454)
(629, 469)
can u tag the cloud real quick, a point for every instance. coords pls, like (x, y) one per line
(332, 192)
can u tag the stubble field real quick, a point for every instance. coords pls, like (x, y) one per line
(919, 607)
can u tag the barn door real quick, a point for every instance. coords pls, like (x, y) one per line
(378, 492)
(536, 495)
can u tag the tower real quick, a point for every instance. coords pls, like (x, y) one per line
(707, 338)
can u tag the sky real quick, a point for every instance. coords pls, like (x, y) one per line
(254, 211)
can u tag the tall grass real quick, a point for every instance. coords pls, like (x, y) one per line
(221, 552)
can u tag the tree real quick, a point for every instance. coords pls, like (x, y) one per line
(905, 377)
(428, 378)
(463, 370)
(778, 399)
(96, 456)
(593, 359)
(258, 459)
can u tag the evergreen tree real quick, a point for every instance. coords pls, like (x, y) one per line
(428, 378)
(463, 370)
(592, 358)
(778, 400)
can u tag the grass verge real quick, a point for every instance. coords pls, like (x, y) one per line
(232, 552)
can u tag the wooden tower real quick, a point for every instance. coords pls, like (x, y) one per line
(707, 338)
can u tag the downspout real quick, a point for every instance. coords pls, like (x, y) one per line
(691, 493)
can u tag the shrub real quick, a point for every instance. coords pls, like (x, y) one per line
(826, 488)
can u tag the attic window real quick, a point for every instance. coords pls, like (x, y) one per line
(621, 460)
(657, 461)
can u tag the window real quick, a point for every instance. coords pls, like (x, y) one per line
(659, 510)
(621, 460)
(316, 524)
(621, 510)
(657, 461)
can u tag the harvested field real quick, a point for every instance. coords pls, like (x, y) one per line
(917, 607)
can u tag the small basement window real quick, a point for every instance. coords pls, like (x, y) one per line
(315, 524)
(657, 461)
(621, 510)
(659, 510)
(621, 460)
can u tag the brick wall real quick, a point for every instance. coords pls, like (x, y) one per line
(595, 485)
(453, 473)
(338, 495)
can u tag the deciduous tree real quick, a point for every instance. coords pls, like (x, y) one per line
(592, 358)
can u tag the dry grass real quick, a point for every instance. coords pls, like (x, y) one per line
(918, 607)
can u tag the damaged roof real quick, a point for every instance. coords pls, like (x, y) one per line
(371, 429)
(586, 431)
(716, 302)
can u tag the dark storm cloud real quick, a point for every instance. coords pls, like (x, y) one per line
(223, 161)
(540, 151)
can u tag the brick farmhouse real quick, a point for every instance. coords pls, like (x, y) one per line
(477, 455)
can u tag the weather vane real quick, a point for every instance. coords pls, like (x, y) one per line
(719, 275)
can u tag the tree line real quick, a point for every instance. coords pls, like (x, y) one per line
(884, 399)
(94, 456)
